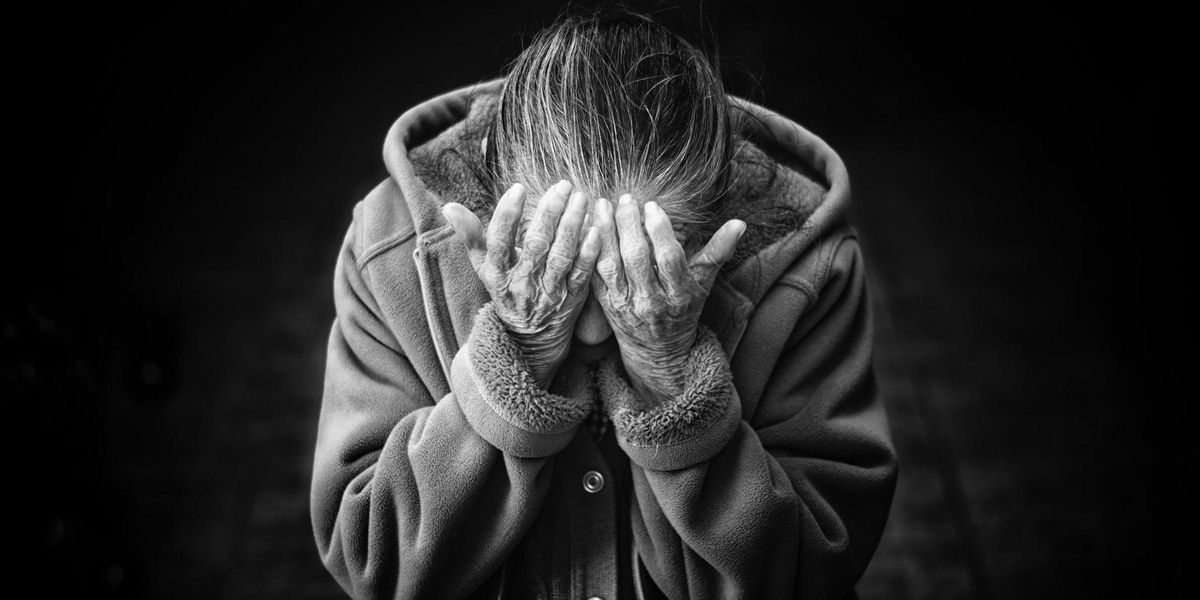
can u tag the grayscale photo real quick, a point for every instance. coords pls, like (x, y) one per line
(683, 299)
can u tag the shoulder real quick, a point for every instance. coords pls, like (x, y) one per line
(375, 261)
(377, 287)
(381, 223)
(827, 278)
(832, 255)
(817, 256)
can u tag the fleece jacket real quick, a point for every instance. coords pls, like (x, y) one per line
(442, 471)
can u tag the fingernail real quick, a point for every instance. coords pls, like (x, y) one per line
(562, 187)
(651, 205)
(626, 199)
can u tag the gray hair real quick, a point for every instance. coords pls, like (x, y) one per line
(616, 103)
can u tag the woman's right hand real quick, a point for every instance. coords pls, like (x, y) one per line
(537, 290)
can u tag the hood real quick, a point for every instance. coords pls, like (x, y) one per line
(789, 187)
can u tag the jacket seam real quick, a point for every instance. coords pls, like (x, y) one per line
(803, 286)
(369, 290)
(381, 247)
(828, 251)
(827, 262)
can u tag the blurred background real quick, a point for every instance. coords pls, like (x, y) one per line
(186, 174)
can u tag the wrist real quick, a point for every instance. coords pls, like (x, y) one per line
(657, 380)
(543, 355)
(658, 371)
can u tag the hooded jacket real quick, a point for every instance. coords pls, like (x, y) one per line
(442, 471)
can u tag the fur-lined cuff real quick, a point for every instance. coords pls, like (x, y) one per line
(503, 403)
(686, 430)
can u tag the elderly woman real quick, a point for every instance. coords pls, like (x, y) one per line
(649, 374)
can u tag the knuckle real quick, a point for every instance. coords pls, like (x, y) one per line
(536, 244)
(607, 267)
(558, 261)
(619, 303)
(644, 305)
(677, 303)
(581, 272)
(669, 254)
(636, 258)
(521, 287)
(490, 275)
(496, 245)
(549, 288)
(577, 278)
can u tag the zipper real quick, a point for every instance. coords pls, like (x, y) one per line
(503, 581)
(433, 296)
(638, 592)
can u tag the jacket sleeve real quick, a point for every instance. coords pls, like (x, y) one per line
(416, 496)
(791, 505)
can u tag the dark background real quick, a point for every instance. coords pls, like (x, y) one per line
(185, 175)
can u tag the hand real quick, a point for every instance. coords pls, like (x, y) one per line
(651, 293)
(537, 290)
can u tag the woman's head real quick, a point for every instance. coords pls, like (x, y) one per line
(615, 103)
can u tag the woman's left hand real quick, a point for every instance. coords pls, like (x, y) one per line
(652, 294)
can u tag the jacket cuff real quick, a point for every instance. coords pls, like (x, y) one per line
(504, 404)
(684, 431)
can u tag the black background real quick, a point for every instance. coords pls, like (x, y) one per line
(161, 150)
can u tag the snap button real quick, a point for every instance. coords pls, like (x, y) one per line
(593, 482)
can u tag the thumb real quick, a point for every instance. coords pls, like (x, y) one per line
(706, 263)
(468, 229)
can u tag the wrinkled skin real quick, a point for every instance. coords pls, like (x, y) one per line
(539, 289)
(649, 292)
(652, 294)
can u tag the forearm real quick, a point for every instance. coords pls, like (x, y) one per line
(728, 527)
(396, 517)
(714, 513)
(395, 487)
(718, 514)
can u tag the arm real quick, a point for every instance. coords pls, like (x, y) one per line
(791, 505)
(417, 498)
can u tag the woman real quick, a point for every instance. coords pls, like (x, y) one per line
(667, 394)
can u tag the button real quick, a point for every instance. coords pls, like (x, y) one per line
(593, 482)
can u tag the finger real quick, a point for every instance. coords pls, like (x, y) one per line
(705, 265)
(566, 242)
(540, 233)
(668, 253)
(581, 274)
(635, 250)
(469, 230)
(608, 263)
(502, 230)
